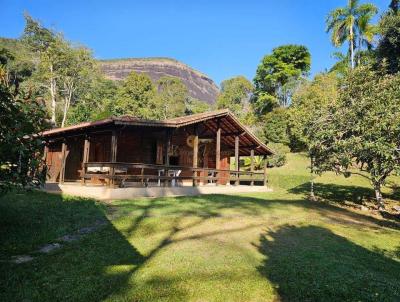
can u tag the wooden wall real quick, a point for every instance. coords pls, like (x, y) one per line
(73, 163)
(138, 145)
(53, 161)
(100, 147)
(135, 145)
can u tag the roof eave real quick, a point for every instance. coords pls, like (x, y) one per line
(260, 143)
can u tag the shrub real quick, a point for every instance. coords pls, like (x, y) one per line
(275, 126)
(279, 159)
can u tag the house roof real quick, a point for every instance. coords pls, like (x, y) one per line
(223, 118)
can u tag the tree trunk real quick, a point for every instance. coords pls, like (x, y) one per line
(378, 196)
(53, 96)
(66, 106)
(312, 195)
(67, 103)
(352, 47)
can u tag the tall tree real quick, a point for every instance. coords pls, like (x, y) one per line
(172, 97)
(351, 23)
(277, 75)
(46, 45)
(96, 101)
(235, 95)
(64, 70)
(76, 74)
(136, 96)
(365, 30)
(307, 117)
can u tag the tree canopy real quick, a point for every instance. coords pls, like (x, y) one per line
(362, 127)
(136, 96)
(309, 103)
(61, 69)
(235, 95)
(172, 97)
(23, 118)
(352, 23)
(277, 74)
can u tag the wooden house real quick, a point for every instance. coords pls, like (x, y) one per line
(126, 151)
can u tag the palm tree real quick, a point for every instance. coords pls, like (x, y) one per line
(366, 30)
(349, 22)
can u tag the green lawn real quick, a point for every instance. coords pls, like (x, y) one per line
(256, 247)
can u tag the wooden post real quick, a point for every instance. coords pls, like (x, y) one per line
(237, 182)
(265, 170)
(218, 153)
(252, 166)
(113, 157)
(167, 144)
(63, 160)
(85, 159)
(114, 146)
(195, 153)
(45, 152)
(44, 160)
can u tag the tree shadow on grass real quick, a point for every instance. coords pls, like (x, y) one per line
(341, 193)
(395, 190)
(335, 193)
(356, 194)
(313, 264)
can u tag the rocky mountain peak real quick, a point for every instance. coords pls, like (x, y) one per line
(200, 86)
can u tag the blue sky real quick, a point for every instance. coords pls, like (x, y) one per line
(219, 38)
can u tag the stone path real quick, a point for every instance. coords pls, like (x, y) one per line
(48, 248)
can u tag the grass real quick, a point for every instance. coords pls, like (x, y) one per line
(256, 247)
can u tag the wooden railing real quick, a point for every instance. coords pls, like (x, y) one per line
(118, 173)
